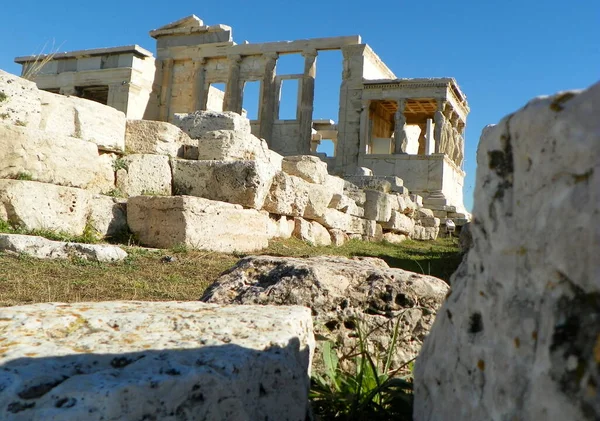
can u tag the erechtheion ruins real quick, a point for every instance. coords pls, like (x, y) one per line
(408, 128)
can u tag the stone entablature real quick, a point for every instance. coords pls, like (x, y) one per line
(120, 77)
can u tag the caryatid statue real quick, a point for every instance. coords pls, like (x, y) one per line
(400, 135)
(439, 120)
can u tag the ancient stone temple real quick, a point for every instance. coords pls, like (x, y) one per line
(409, 128)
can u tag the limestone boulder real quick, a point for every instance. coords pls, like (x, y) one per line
(280, 226)
(308, 167)
(519, 337)
(53, 158)
(421, 232)
(246, 183)
(155, 361)
(48, 249)
(379, 206)
(335, 184)
(19, 101)
(394, 238)
(288, 195)
(160, 138)
(400, 223)
(108, 215)
(338, 237)
(197, 124)
(33, 205)
(345, 204)
(311, 232)
(83, 119)
(343, 295)
(144, 174)
(319, 198)
(164, 222)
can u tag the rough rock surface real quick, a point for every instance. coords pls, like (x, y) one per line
(288, 195)
(197, 124)
(144, 174)
(246, 183)
(338, 291)
(159, 137)
(519, 337)
(53, 158)
(311, 232)
(108, 215)
(154, 361)
(199, 223)
(47, 249)
(34, 205)
(309, 168)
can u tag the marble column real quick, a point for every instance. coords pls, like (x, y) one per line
(233, 91)
(267, 98)
(400, 136)
(307, 97)
(365, 135)
(429, 138)
(200, 93)
(166, 89)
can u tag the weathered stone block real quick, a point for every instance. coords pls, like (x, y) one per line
(245, 183)
(394, 238)
(199, 223)
(429, 221)
(307, 167)
(311, 232)
(519, 335)
(338, 237)
(83, 119)
(319, 198)
(108, 215)
(421, 232)
(34, 205)
(197, 124)
(144, 174)
(280, 226)
(400, 223)
(155, 360)
(288, 195)
(379, 206)
(160, 138)
(53, 158)
(19, 101)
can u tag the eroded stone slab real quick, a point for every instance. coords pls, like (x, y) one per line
(144, 174)
(154, 360)
(159, 137)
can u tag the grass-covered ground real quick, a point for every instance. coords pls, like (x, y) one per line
(145, 275)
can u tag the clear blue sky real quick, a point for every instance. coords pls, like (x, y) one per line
(502, 53)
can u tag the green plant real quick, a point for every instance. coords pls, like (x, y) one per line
(3, 97)
(4, 116)
(116, 192)
(180, 248)
(21, 123)
(369, 392)
(24, 176)
(120, 164)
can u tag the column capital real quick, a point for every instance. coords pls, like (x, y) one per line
(235, 58)
(310, 54)
(271, 55)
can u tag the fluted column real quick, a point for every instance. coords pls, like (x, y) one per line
(267, 98)
(200, 94)
(307, 97)
(165, 90)
(233, 91)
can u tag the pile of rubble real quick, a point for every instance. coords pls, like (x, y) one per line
(69, 164)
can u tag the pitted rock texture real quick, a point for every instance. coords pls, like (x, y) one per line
(519, 337)
(154, 361)
(339, 292)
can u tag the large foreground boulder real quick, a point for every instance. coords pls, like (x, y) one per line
(519, 338)
(340, 292)
(154, 361)
(199, 223)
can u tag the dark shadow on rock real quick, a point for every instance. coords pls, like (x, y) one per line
(221, 382)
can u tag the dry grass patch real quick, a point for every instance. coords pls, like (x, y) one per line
(146, 275)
